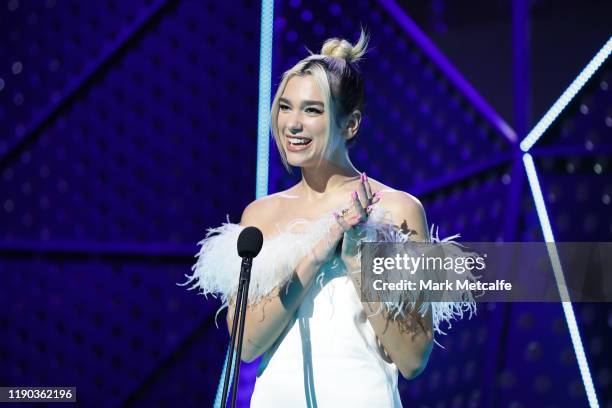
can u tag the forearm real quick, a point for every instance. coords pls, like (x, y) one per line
(265, 321)
(407, 339)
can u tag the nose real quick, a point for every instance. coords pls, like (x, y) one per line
(294, 130)
(294, 124)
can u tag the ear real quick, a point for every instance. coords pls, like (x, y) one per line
(352, 124)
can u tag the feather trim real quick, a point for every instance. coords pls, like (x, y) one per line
(396, 303)
(217, 269)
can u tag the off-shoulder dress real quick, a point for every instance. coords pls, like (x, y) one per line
(328, 355)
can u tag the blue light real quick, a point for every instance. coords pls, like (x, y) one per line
(566, 97)
(263, 138)
(265, 81)
(568, 310)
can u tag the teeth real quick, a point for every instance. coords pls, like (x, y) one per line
(298, 141)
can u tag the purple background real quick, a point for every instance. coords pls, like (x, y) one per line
(128, 128)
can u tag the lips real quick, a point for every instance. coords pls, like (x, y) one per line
(297, 143)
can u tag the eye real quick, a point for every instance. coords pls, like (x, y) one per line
(314, 110)
(283, 107)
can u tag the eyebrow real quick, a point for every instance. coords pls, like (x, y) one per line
(304, 103)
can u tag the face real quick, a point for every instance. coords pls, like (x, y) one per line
(302, 121)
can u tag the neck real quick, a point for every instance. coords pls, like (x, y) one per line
(328, 176)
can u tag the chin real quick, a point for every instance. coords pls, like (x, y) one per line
(294, 159)
(298, 161)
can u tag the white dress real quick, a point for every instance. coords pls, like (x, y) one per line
(328, 354)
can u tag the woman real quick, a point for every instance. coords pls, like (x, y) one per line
(321, 344)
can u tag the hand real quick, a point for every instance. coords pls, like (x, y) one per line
(356, 213)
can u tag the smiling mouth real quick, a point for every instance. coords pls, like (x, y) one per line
(298, 141)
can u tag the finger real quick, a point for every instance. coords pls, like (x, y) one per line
(343, 223)
(349, 212)
(367, 186)
(364, 198)
(356, 202)
(360, 213)
(376, 197)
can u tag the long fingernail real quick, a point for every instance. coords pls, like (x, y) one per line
(354, 195)
(378, 194)
(361, 177)
(365, 176)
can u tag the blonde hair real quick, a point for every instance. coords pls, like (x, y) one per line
(337, 75)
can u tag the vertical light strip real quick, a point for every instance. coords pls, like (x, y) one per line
(566, 97)
(263, 114)
(568, 310)
(263, 140)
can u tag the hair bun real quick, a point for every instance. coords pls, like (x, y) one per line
(340, 48)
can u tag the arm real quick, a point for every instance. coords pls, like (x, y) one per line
(265, 321)
(406, 341)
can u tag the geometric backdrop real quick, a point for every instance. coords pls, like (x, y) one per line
(128, 128)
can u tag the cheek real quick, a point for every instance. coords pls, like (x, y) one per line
(318, 126)
(280, 122)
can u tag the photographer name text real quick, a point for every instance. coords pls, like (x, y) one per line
(459, 284)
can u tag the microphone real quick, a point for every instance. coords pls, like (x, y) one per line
(249, 244)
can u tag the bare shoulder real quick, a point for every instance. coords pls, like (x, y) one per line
(263, 213)
(406, 210)
(393, 199)
(260, 210)
(401, 201)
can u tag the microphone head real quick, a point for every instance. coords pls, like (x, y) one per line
(250, 242)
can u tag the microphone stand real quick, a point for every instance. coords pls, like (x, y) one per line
(239, 314)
